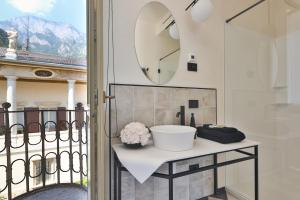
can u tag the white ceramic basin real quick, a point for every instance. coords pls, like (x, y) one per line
(173, 137)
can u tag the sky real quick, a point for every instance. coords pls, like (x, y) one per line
(67, 11)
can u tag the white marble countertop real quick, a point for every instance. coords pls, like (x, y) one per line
(142, 163)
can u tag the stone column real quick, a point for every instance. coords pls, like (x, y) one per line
(11, 98)
(71, 97)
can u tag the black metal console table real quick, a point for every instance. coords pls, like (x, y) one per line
(118, 168)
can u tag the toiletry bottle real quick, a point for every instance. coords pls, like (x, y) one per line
(193, 123)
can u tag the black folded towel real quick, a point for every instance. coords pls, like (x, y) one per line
(224, 135)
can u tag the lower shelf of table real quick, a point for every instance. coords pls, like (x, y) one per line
(221, 195)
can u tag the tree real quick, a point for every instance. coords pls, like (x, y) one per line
(2, 198)
(3, 38)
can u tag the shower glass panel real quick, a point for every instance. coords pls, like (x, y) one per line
(262, 96)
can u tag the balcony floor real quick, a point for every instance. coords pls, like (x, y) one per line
(59, 193)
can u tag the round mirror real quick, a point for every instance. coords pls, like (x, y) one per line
(157, 43)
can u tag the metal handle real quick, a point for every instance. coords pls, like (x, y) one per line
(107, 97)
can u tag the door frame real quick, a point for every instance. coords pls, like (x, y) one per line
(97, 178)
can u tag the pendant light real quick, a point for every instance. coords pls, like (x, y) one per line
(173, 31)
(200, 10)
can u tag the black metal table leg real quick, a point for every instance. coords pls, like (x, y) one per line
(115, 176)
(119, 171)
(170, 181)
(215, 174)
(256, 181)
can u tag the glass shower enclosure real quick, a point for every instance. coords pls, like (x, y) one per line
(262, 96)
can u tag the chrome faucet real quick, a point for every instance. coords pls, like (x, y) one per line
(181, 114)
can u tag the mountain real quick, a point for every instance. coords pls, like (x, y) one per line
(47, 37)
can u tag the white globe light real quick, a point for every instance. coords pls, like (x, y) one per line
(173, 31)
(201, 10)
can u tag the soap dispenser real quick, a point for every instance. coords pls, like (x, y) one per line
(193, 123)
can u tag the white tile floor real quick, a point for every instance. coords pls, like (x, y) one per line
(231, 198)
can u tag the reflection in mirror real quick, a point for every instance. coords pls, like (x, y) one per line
(157, 43)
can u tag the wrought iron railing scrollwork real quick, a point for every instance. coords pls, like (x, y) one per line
(71, 127)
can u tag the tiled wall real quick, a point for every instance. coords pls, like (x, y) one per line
(158, 106)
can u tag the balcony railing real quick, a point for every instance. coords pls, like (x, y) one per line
(38, 153)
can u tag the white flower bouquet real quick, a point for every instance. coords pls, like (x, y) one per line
(135, 135)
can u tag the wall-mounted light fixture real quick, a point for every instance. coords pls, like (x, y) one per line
(173, 30)
(200, 10)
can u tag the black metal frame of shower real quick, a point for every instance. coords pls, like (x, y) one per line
(245, 10)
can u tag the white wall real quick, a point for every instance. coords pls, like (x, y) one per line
(44, 93)
(293, 45)
(2, 91)
(205, 40)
